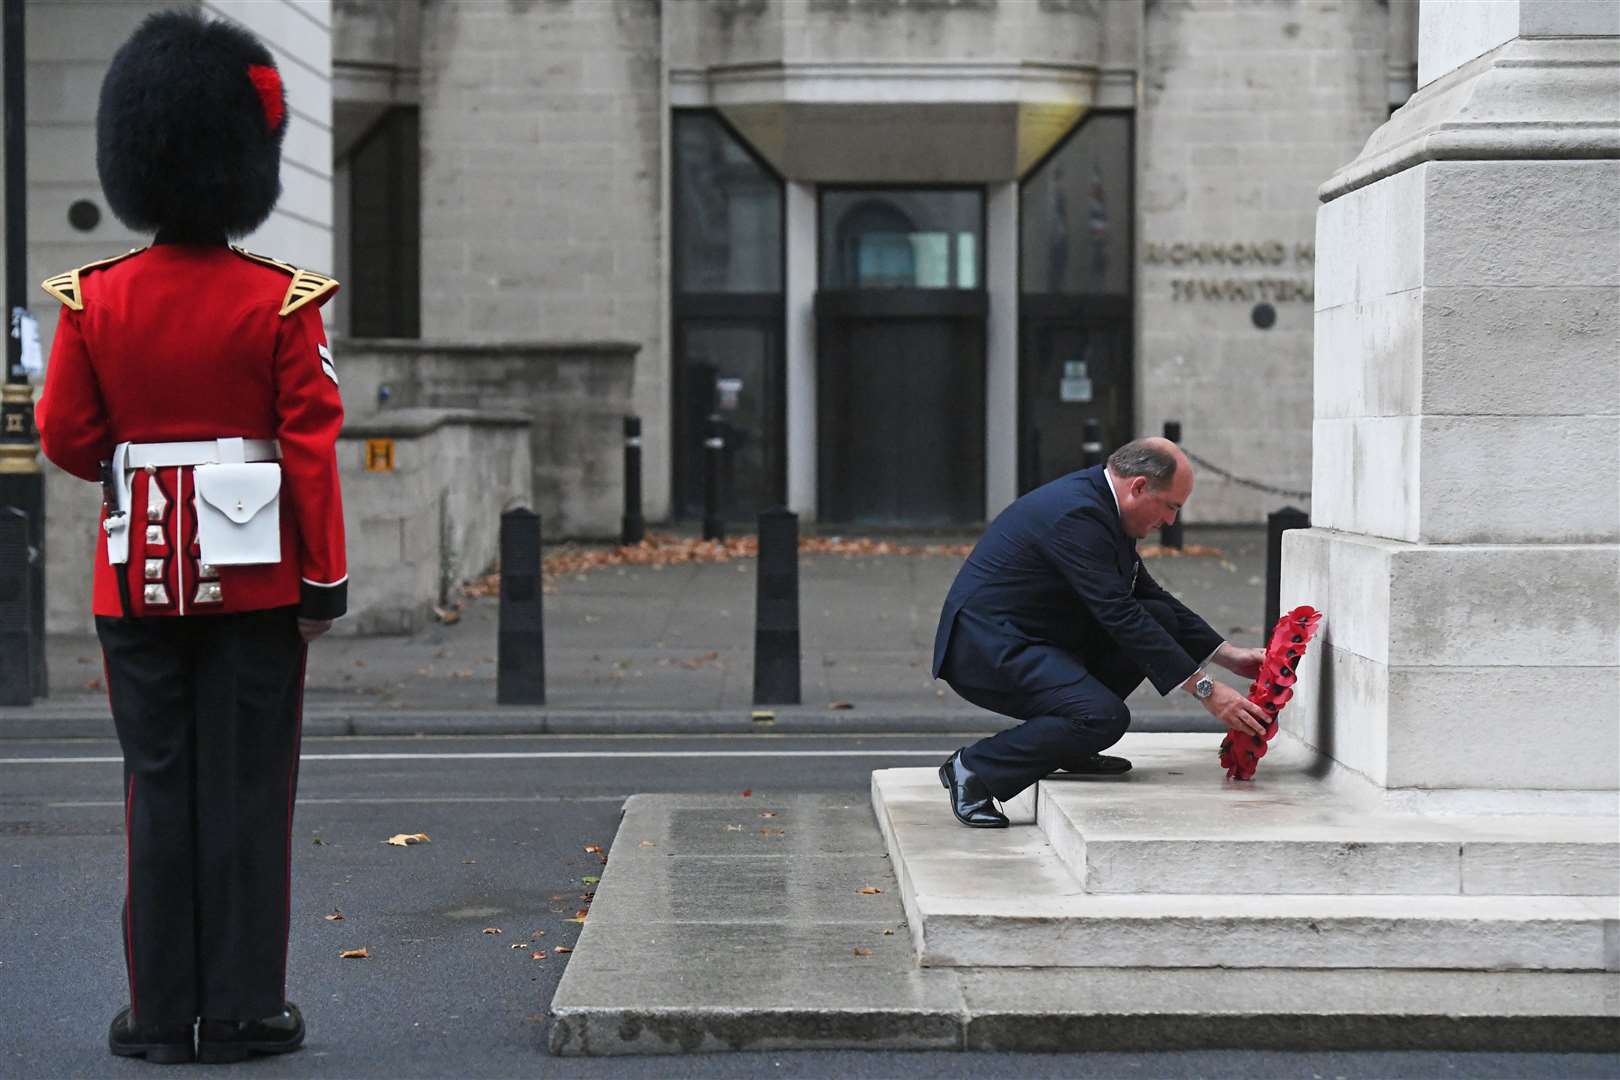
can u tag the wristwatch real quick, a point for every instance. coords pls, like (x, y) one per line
(1203, 688)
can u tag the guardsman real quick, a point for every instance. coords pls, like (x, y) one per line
(194, 382)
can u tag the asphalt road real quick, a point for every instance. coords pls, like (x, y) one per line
(509, 820)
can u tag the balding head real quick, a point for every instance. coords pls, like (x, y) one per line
(1152, 479)
(1155, 458)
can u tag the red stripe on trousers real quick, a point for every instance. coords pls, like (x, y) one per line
(292, 771)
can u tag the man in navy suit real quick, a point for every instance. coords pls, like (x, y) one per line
(1054, 621)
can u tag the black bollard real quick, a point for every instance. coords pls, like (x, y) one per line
(634, 527)
(1170, 535)
(776, 611)
(520, 665)
(1277, 523)
(1091, 447)
(714, 447)
(17, 660)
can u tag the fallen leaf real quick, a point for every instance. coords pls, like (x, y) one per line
(448, 616)
(840, 705)
(868, 891)
(578, 919)
(318, 842)
(602, 859)
(590, 879)
(648, 843)
(586, 898)
(492, 929)
(537, 956)
(93, 684)
(768, 831)
(536, 934)
(519, 945)
(407, 839)
(748, 793)
(888, 933)
(336, 916)
(562, 949)
(581, 914)
(768, 813)
(862, 952)
(593, 849)
(362, 953)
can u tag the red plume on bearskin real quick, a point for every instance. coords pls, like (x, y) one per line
(189, 129)
(1240, 751)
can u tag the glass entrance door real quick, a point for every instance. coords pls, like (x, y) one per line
(1076, 366)
(731, 371)
(901, 356)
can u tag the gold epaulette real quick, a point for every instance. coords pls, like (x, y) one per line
(65, 286)
(306, 285)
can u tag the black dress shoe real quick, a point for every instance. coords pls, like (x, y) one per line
(220, 1041)
(1102, 765)
(169, 1045)
(971, 802)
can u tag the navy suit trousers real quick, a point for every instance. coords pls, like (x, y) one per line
(1062, 725)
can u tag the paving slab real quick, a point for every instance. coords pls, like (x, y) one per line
(647, 649)
(681, 953)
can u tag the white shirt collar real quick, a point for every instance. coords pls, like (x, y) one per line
(1108, 479)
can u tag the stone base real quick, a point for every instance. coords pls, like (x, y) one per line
(1173, 866)
(717, 928)
(1460, 666)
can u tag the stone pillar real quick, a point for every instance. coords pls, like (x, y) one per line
(1466, 432)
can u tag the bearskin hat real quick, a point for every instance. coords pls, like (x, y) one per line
(189, 128)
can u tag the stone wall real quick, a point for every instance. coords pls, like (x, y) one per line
(431, 523)
(543, 187)
(575, 396)
(1247, 106)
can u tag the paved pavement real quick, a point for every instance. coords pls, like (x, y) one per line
(648, 648)
(438, 997)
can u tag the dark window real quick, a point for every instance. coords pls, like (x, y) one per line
(1075, 307)
(728, 212)
(728, 352)
(1076, 213)
(901, 239)
(384, 288)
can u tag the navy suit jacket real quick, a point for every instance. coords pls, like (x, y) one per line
(1053, 580)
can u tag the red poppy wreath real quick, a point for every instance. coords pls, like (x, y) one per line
(1240, 751)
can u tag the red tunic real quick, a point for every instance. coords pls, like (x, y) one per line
(182, 342)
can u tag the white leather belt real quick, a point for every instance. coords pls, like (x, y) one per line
(127, 457)
(165, 455)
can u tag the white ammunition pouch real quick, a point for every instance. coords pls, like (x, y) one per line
(238, 497)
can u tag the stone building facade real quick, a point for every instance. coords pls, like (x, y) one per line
(902, 249)
(896, 253)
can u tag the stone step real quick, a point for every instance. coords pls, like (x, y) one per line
(1009, 898)
(1175, 825)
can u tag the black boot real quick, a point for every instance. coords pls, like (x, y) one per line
(160, 1045)
(220, 1041)
(970, 801)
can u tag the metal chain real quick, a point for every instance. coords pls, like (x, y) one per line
(1286, 493)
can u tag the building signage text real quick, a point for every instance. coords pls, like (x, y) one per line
(1260, 254)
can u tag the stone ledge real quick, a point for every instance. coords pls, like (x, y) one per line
(414, 422)
(1546, 99)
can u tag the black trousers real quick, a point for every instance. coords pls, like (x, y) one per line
(208, 711)
(1062, 725)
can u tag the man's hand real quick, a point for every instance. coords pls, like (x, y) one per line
(1244, 662)
(1236, 711)
(310, 629)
